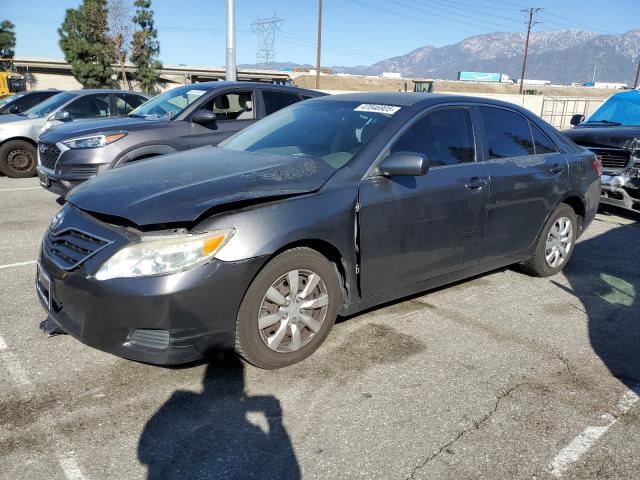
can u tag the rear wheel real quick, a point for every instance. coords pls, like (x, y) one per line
(18, 159)
(555, 245)
(288, 310)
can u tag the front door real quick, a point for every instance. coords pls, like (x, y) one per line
(415, 228)
(528, 176)
(234, 112)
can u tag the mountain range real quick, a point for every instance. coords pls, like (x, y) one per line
(563, 56)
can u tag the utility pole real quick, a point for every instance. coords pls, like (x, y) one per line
(593, 79)
(635, 84)
(319, 43)
(230, 73)
(531, 12)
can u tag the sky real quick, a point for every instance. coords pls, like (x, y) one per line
(355, 32)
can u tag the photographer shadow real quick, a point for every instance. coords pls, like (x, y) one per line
(604, 274)
(219, 433)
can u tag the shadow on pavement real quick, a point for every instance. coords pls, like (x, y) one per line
(219, 433)
(604, 274)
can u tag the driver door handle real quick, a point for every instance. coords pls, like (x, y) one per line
(477, 183)
(557, 168)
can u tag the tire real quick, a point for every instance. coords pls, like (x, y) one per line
(281, 321)
(539, 265)
(18, 159)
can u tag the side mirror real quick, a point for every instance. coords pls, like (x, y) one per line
(577, 119)
(203, 116)
(61, 115)
(14, 109)
(406, 164)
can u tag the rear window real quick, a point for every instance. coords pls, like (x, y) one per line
(507, 133)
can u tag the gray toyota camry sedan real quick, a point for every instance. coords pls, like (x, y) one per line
(325, 208)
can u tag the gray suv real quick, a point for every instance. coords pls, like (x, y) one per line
(185, 117)
(19, 133)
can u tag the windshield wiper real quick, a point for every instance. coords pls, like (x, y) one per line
(135, 115)
(606, 122)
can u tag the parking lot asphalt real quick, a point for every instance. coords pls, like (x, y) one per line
(499, 376)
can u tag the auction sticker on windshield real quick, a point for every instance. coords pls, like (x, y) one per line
(370, 107)
(196, 92)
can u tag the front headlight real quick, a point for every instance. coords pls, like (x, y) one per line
(164, 255)
(94, 141)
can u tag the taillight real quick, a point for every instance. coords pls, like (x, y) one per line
(597, 166)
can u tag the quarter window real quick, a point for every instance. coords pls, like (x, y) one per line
(274, 101)
(541, 141)
(444, 136)
(507, 132)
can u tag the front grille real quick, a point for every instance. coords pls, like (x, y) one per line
(48, 155)
(70, 247)
(614, 159)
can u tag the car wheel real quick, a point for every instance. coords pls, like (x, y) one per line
(288, 309)
(555, 245)
(18, 159)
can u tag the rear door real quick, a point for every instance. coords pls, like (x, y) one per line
(234, 111)
(415, 228)
(528, 176)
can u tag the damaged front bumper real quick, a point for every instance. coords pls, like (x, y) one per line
(621, 187)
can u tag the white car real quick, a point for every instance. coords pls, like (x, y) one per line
(19, 133)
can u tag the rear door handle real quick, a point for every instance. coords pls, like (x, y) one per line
(476, 183)
(557, 168)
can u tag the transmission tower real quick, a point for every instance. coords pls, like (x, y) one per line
(265, 29)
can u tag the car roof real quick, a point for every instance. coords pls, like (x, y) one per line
(246, 84)
(87, 91)
(419, 99)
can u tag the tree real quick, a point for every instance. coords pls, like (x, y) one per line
(7, 42)
(120, 30)
(145, 47)
(84, 39)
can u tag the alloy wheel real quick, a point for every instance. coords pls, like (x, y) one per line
(559, 242)
(293, 310)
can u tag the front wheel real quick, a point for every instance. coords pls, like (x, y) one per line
(555, 245)
(18, 159)
(288, 309)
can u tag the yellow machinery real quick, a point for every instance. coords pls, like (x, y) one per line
(11, 83)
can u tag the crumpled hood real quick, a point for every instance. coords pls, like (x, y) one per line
(604, 137)
(181, 187)
(75, 129)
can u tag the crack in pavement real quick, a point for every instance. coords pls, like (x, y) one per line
(476, 426)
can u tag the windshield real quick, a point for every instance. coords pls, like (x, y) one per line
(621, 109)
(331, 130)
(169, 104)
(49, 105)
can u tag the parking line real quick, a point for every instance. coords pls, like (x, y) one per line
(19, 264)
(67, 461)
(19, 188)
(13, 366)
(590, 435)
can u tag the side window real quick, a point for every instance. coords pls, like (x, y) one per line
(232, 106)
(445, 136)
(541, 141)
(126, 102)
(507, 132)
(90, 106)
(274, 101)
